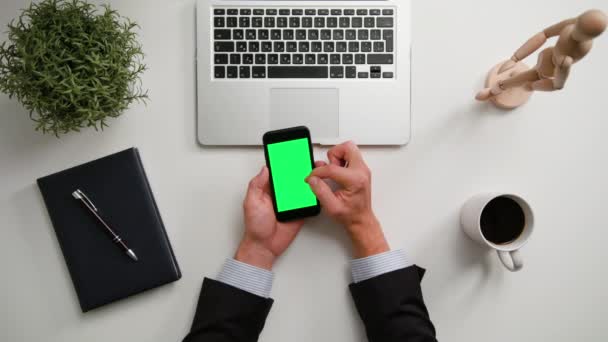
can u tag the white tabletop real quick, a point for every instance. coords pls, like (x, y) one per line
(552, 151)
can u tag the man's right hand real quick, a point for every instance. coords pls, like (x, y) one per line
(351, 204)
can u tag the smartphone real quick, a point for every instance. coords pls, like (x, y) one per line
(290, 160)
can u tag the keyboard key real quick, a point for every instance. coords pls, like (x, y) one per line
(345, 22)
(245, 11)
(287, 34)
(384, 22)
(388, 40)
(223, 47)
(316, 47)
(332, 22)
(241, 46)
(231, 22)
(295, 21)
(297, 12)
(370, 21)
(263, 34)
(285, 58)
(297, 72)
(378, 46)
(244, 72)
(363, 75)
(313, 34)
(353, 47)
(325, 34)
(269, 22)
(323, 11)
(247, 58)
(375, 34)
(300, 34)
(304, 47)
(341, 47)
(219, 11)
(235, 58)
(219, 22)
(374, 12)
(357, 22)
(360, 58)
(366, 47)
(307, 22)
(361, 12)
(282, 22)
(350, 34)
(336, 72)
(328, 47)
(257, 22)
(254, 46)
(233, 11)
(347, 58)
(375, 69)
(220, 72)
(387, 75)
(349, 12)
(258, 11)
(334, 58)
(284, 12)
(275, 34)
(237, 34)
(250, 34)
(292, 47)
(258, 72)
(336, 12)
(380, 59)
(271, 11)
(310, 12)
(273, 59)
(232, 72)
(279, 46)
(221, 58)
(319, 22)
(338, 34)
(363, 34)
(298, 59)
(387, 11)
(351, 72)
(266, 46)
(310, 58)
(322, 58)
(244, 22)
(221, 34)
(376, 75)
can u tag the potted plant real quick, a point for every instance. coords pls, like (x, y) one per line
(72, 64)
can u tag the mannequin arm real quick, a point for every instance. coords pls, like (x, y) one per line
(562, 71)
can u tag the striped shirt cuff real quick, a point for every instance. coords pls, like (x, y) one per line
(246, 277)
(375, 265)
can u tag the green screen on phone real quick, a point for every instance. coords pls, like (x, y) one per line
(289, 166)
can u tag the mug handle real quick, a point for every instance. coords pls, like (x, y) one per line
(511, 260)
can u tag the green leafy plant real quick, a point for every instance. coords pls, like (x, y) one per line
(72, 65)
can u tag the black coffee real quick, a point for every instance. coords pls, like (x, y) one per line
(502, 220)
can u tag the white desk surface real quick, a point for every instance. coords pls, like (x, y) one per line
(553, 151)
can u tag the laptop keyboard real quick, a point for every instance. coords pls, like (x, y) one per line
(317, 43)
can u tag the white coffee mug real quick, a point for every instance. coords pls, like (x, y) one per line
(470, 219)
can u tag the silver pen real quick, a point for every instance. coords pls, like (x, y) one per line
(79, 195)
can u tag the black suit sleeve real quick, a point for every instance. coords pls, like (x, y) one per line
(392, 308)
(225, 313)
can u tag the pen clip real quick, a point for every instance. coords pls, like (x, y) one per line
(78, 194)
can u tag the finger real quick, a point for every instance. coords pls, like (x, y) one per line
(347, 151)
(323, 192)
(259, 183)
(340, 175)
(320, 163)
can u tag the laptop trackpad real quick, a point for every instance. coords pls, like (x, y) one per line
(317, 109)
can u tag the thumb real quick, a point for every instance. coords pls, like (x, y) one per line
(324, 193)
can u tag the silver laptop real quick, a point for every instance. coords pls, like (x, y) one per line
(341, 68)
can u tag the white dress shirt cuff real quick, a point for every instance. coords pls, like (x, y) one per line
(246, 277)
(375, 265)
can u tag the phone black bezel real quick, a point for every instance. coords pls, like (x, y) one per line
(282, 135)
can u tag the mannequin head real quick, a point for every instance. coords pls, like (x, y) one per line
(589, 25)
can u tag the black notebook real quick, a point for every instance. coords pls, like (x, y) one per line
(100, 270)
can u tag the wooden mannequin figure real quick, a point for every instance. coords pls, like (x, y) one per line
(510, 84)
